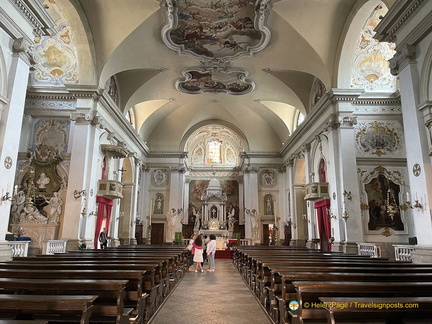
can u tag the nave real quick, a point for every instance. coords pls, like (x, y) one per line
(219, 297)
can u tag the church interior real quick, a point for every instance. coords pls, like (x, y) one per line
(296, 134)
(278, 123)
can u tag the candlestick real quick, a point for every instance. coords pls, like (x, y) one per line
(151, 211)
(407, 197)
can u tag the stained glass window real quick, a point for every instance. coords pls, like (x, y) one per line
(214, 152)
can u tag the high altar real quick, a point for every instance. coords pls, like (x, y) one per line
(214, 213)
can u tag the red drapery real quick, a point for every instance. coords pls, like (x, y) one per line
(323, 221)
(104, 205)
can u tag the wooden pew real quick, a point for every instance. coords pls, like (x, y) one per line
(263, 264)
(272, 292)
(288, 289)
(363, 309)
(48, 306)
(134, 293)
(108, 307)
(151, 279)
(23, 322)
(308, 294)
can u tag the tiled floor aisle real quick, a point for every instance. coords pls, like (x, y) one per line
(219, 297)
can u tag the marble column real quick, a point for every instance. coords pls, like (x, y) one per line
(417, 149)
(337, 222)
(11, 119)
(176, 198)
(82, 174)
(251, 200)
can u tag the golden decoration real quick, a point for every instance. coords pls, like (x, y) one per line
(386, 232)
(364, 206)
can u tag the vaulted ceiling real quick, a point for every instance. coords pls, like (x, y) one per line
(305, 42)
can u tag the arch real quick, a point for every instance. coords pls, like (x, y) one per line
(349, 41)
(426, 78)
(3, 78)
(129, 171)
(71, 19)
(223, 123)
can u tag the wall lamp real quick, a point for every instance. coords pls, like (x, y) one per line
(347, 195)
(79, 194)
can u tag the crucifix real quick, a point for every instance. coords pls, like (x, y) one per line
(122, 170)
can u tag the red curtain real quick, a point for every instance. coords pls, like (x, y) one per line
(323, 221)
(104, 206)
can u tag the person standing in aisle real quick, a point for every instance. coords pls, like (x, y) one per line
(211, 251)
(103, 239)
(191, 257)
(197, 250)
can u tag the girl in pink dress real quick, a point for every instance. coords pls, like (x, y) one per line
(197, 251)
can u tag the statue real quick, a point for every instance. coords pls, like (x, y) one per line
(255, 223)
(170, 216)
(17, 207)
(43, 181)
(30, 214)
(158, 205)
(231, 219)
(269, 209)
(55, 208)
(197, 216)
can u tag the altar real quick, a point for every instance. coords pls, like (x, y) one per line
(221, 237)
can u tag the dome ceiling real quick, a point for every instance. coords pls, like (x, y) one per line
(206, 62)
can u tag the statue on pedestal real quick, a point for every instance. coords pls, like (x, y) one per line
(170, 216)
(231, 219)
(255, 218)
(197, 216)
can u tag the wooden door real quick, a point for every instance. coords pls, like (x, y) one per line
(157, 233)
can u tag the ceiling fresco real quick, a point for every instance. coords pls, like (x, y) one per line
(199, 80)
(216, 33)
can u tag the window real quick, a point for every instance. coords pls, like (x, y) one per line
(214, 152)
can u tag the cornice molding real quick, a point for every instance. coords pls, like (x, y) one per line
(35, 13)
(394, 100)
(50, 93)
(84, 91)
(260, 155)
(168, 155)
(343, 95)
(398, 15)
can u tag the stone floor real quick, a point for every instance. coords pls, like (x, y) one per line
(220, 297)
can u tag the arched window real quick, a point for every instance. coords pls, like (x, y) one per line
(214, 145)
(300, 119)
(214, 152)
